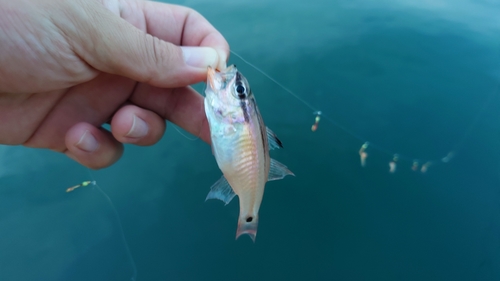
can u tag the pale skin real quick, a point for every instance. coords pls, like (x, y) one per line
(68, 67)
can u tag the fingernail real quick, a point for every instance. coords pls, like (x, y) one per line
(139, 128)
(222, 59)
(87, 142)
(201, 57)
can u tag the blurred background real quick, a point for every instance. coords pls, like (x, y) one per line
(417, 78)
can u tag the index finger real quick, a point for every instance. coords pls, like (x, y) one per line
(181, 106)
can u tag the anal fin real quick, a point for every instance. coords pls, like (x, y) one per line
(221, 190)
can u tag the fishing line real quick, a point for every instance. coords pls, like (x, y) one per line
(184, 135)
(315, 110)
(277, 83)
(117, 216)
(122, 233)
(320, 115)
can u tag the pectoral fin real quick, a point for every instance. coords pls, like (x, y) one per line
(272, 139)
(278, 171)
(221, 190)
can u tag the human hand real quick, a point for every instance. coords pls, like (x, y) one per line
(67, 67)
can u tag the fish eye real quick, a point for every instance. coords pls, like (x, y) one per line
(240, 89)
(249, 219)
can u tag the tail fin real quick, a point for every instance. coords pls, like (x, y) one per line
(247, 225)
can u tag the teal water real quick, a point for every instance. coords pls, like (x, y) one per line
(415, 79)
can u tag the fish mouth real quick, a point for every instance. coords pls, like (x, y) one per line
(229, 73)
(218, 80)
(211, 77)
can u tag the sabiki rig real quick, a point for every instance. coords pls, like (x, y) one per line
(240, 144)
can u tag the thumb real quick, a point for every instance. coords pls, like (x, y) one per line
(111, 44)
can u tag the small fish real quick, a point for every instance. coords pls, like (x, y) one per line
(240, 144)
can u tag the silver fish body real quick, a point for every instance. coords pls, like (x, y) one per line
(240, 144)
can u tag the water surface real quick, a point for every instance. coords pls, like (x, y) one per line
(410, 78)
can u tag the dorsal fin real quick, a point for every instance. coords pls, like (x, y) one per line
(272, 139)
